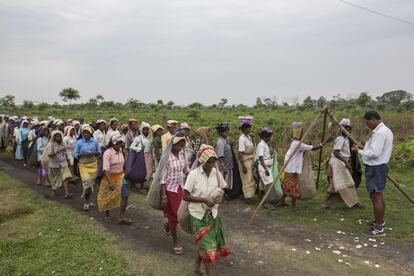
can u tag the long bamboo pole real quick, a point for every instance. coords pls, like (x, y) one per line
(324, 110)
(392, 180)
(325, 117)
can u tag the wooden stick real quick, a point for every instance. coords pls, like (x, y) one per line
(325, 117)
(398, 186)
(287, 162)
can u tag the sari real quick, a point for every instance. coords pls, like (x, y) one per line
(108, 199)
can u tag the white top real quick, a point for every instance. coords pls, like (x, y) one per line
(140, 141)
(296, 163)
(199, 185)
(342, 144)
(70, 143)
(41, 146)
(263, 150)
(245, 143)
(32, 135)
(378, 149)
(100, 137)
(16, 134)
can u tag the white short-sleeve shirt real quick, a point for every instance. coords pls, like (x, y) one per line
(342, 144)
(296, 164)
(245, 142)
(199, 185)
(263, 150)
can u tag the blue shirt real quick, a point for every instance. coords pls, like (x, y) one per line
(86, 146)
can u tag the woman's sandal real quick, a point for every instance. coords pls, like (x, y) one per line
(178, 250)
(124, 221)
(86, 207)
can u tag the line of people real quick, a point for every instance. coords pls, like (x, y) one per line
(118, 158)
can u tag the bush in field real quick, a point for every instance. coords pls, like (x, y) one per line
(405, 152)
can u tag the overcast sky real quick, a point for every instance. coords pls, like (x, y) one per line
(198, 50)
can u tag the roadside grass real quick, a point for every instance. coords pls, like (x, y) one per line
(41, 237)
(398, 214)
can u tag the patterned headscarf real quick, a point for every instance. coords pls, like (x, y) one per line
(205, 153)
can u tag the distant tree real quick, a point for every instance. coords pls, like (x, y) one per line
(133, 104)
(170, 104)
(223, 102)
(69, 94)
(196, 105)
(395, 98)
(364, 100)
(321, 102)
(259, 103)
(267, 102)
(160, 103)
(99, 98)
(8, 101)
(42, 106)
(28, 104)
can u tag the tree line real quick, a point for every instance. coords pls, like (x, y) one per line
(398, 100)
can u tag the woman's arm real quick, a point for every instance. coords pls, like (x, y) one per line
(136, 145)
(188, 197)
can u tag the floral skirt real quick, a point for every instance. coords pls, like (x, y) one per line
(290, 185)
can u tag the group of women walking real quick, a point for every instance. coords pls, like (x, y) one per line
(111, 156)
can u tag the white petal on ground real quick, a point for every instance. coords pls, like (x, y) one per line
(294, 249)
(317, 249)
(367, 262)
(307, 252)
(337, 252)
(358, 246)
(377, 266)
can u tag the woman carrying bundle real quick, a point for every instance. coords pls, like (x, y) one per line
(100, 133)
(87, 151)
(294, 168)
(203, 189)
(143, 142)
(58, 164)
(24, 141)
(246, 158)
(41, 145)
(172, 183)
(113, 193)
(133, 132)
(70, 140)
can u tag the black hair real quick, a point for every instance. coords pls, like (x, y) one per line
(245, 126)
(372, 115)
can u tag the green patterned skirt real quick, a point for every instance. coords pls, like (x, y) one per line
(209, 237)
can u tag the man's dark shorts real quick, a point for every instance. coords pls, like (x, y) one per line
(376, 177)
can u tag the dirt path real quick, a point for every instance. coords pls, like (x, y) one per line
(268, 247)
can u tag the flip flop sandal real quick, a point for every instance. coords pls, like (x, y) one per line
(91, 205)
(178, 250)
(85, 207)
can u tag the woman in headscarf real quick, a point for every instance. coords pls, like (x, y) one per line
(77, 126)
(189, 143)
(294, 168)
(143, 142)
(172, 183)
(156, 142)
(17, 149)
(227, 161)
(204, 190)
(58, 170)
(112, 129)
(24, 140)
(41, 144)
(203, 138)
(166, 137)
(133, 132)
(111, 189)
(339, 171)
(70, 140)
(265, 163)
(87, 151)
(246, 157)
(60, 125)
(100, 133)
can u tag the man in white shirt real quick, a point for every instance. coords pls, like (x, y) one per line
(376, 154)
